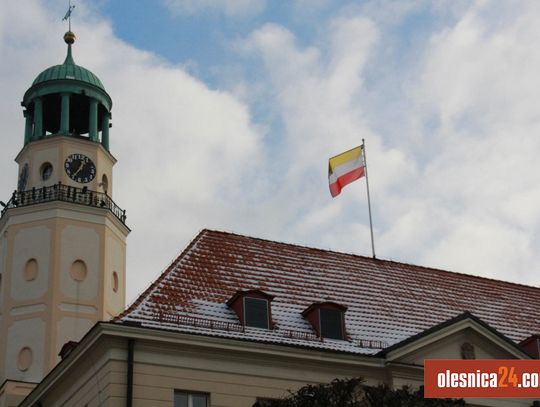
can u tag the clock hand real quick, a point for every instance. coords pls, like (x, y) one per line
(80, 168)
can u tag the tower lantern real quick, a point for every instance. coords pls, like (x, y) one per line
(67, 100)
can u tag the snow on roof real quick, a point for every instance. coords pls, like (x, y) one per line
(387, 302)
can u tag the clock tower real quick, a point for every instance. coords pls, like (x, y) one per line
(62, 237)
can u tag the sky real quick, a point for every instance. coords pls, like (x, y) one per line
(225, 113)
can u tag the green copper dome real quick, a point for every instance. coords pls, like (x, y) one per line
(68, 70)
(67, 100)
(68, 77)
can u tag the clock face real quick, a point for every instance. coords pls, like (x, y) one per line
(80, 168)
(23, 177)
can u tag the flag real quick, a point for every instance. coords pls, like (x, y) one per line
(68, 13)
(345, 168)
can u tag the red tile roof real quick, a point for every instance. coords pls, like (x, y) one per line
(386, 301)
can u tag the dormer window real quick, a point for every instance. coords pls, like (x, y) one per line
(327, 319)
(331, 323)
(256, 312)
(253, 308)
(531, 345)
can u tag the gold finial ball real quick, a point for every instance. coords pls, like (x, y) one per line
(69, 37)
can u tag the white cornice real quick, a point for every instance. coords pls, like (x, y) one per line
(61, 209)
(54, 139)
(112, 330)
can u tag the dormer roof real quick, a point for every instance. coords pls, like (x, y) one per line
(324, 304)
(246, 293)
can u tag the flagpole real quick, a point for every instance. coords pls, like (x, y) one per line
(368, 199)
(67, 16)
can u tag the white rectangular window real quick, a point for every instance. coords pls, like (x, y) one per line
(265, 402)
(189, 399)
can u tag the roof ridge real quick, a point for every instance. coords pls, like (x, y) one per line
(371, 259)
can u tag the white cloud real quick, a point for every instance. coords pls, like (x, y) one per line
(480, 83)
(459, 186)
(315, 91)
(185, 152)
(456, 184)
(230, 8)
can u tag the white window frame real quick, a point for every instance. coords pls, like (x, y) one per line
(190, 395)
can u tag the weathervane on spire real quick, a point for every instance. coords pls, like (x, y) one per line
(68, 14)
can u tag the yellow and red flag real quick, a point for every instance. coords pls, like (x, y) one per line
(345, 168)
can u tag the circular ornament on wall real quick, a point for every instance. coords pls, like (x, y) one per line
(46, 171)
(115, 281)
(467, 351)
(23, 177)
(105, 183)
(24, 359)
(78, 271)
(31, 270)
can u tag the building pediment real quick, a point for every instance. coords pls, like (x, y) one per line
(462, 337)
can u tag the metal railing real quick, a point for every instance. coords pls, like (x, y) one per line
(175, 318)
(64, 193)
(372, 344)
(178, 319)
(304, 336)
